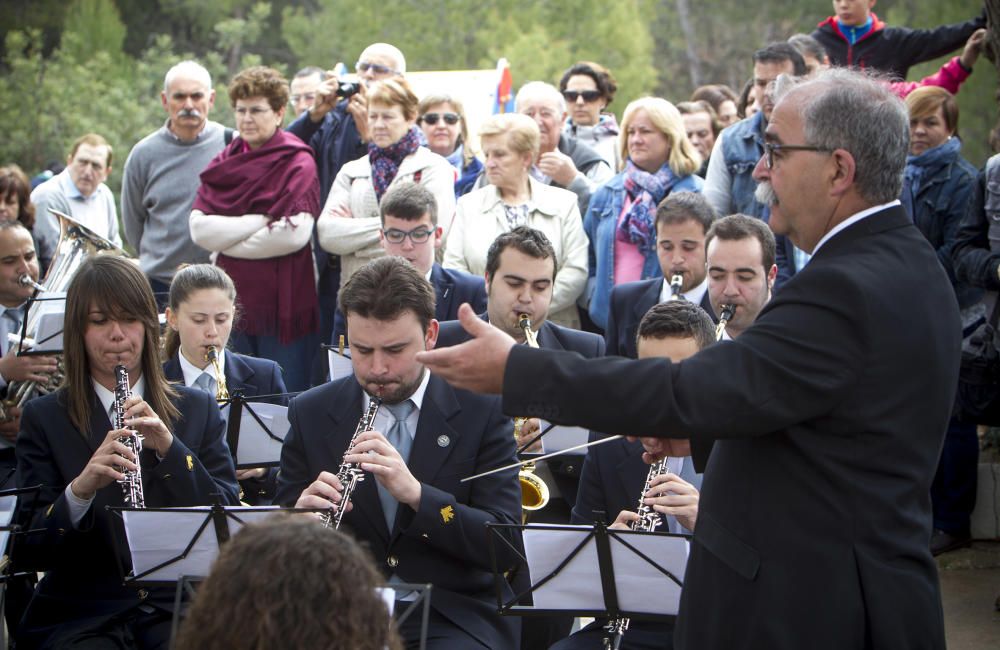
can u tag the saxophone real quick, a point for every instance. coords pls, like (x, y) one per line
(534, 492)
(351, 474)
(724, 318)
(132, 483)
(649, 520)
(221, 391)
(676, 280)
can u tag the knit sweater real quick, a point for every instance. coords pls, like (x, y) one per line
(158, 189)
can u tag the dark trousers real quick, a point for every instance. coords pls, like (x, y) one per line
(442, 634)
(329, 283)
(161, 291)
(953, 493)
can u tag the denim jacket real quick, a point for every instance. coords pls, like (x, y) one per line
(741, 149)
(600, 223)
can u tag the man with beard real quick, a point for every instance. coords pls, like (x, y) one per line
(682, 221)
(741, 269)
(827, 414)
(162, 175)
(420, 522)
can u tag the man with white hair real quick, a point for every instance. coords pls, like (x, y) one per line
(563, 160)
(161, 176)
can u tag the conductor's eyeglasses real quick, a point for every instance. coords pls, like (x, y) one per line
(417, 235)
(771, 147)
(432, 118)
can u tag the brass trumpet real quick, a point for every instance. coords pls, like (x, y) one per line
(534, 492)
(221, 391)
(724, 318)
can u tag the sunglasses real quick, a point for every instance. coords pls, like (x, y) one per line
(432, 118)
(364, 66)
(588, 95)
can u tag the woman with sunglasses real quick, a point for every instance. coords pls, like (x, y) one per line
(255, 210)
(349, 224)
(588, 89)
(442, 119)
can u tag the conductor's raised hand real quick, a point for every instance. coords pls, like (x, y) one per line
(324, 493)
(103, 467)
(376, 455)
(476, 365)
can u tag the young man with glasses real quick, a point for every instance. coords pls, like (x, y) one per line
(410, 230)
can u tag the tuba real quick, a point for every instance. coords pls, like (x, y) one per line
(534, 492)
(76, 244)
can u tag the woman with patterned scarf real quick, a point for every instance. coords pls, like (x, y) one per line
(255, 211)
(350, 224)
(621, 219)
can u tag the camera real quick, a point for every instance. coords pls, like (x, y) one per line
(347, 89)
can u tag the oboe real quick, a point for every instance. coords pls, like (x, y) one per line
(724, 318)
(350, 474)
(132, 483)
(676, 280)
(649, 520)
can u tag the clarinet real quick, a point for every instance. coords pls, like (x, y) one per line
(676, 281)
(132, 483)
(649, 520)
(724, 318)
(350, 474)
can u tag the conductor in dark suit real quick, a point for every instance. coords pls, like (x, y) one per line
(200, 315)
(830, 410)
(421, 523)
(67, 446)
(682, 221)
(410, 230)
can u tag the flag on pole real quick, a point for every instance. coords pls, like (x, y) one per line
(504, 100)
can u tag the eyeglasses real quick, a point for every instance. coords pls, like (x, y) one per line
(417, 235)
(365, 66)
(588, 95)
(432, 118)
(309, 97)
(771, 147)
(254, 111)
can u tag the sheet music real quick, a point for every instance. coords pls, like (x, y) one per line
(577, 587)
(256, 447)
(340, 364)
(51, 308)
(155, 537)
(561, 437)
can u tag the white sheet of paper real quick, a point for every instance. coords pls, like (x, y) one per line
(7, 505)
(388, 595)
(256, 447)
(155, 537)
(561, 437)
(577, 587)
(340, 364)
(51, 315)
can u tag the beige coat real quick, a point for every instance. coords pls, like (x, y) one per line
(356, 238)
(480, 217)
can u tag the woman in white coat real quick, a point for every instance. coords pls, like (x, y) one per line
(513, 198)
(349, 224)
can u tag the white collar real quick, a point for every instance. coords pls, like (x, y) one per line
(694, 294)
(853, 219)
(192, 372)
(107, 397)
(417, 397)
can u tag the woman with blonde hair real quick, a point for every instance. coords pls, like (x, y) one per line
(349, 224)
(621, 220)
(513, 198)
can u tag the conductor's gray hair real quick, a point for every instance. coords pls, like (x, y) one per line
(857, 112)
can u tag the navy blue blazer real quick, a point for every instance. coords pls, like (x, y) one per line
(444, 542)
(451, 289)
(629, 303)
(83, 585)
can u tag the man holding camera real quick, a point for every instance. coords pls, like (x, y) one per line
(336, 127)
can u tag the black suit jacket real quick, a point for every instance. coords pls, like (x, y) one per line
(83, 585)
(444, 542)
(550, 337)
(830, 412)
(629, 303)
(451, 289)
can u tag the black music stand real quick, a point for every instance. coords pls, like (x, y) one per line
(579, 547)
(238, 403)
(10, 532)
(48, 338)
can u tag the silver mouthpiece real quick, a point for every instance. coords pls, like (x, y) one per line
(26, 281)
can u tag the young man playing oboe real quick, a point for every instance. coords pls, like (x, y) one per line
(422, 524)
